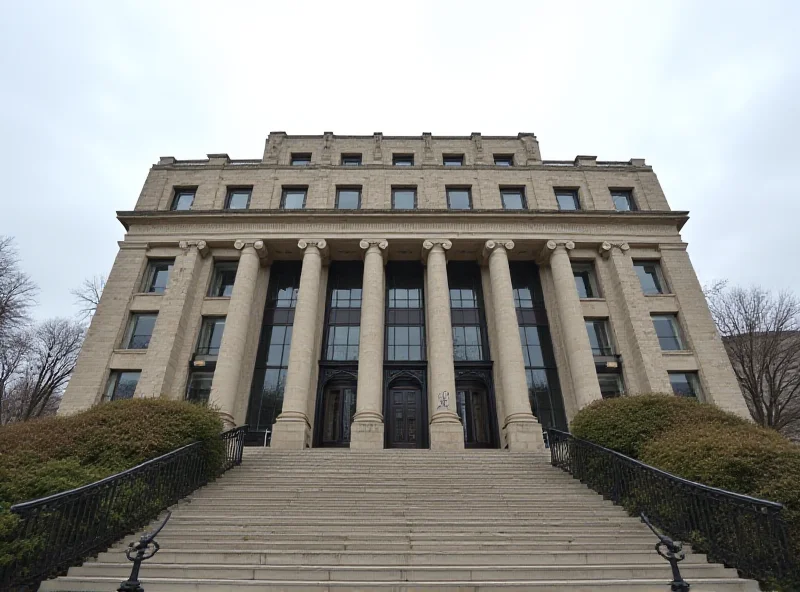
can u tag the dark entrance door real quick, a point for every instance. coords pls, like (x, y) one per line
(405, 417)
(472, 401)
(338, 408)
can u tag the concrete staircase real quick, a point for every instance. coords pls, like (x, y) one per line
(335, 520)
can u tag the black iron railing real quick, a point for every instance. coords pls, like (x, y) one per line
(747, 533)
(61, 530)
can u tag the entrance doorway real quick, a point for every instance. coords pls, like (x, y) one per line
(472, 402)
(405, 417)
(338, 408)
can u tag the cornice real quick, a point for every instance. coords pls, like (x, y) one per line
(258, 165)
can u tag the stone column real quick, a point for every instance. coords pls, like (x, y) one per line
(292, 429)
(367, 431)
(225, 386)
(445, 429)
(585, 386)
(522, 430)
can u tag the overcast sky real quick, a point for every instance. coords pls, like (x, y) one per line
(92, 93)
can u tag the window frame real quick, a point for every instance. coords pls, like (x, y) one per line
(618, 378)
(351, 156)
(113, 384)
(631, 201)
(177, 192)
(503, 158)
(467, 188)
(216, 277)
(659, 273)
(300, 159)
(150, 275)
(130, 331)
(198, 373)
(594, 286)
(340, 188)
(678, 335)
(455, 160)
(574, 193)
(207, 324)
(238, 190)
(693, 381)
(396, 188)
(293, 189)
(606, 325)
(399, 158)
(517, 189)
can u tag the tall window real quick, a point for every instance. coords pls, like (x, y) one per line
(544, 390)
(301, 159)
(459, 198)
(650, 277)
(157, 276)
(140, 330)
(344, 311)
(404, 198)
(623, 200)
(183, 199)
(223, 279)
(585, 280)
(567, 199)
(238, 198)
(668, 332)
(348, 198)
(599, 337)
(210, 336)
(513, 198)
(272, 359)
(466, 311)
(293, 198)
(405, 312)
(121, 384)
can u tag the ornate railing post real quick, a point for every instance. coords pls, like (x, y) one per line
(672, 551)
(144, 549)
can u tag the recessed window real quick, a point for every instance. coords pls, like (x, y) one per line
(211, 336)
(685, 384)
(404, 198)
(183, 200)
(294, 199)
(122, 384)
(157, 276)
(348, 198)
(513, 198)
(466, 312)
(585, 280)
(599, 339)
(351, 160)
(567, 199)
(459, 198)
(301, 158)
(403, 159)
(611, 385)
(453, 160)
(668, 332)
(223, 279)
(623, 200)
(238, 199)
(199, 387)
(140, 330)
(650, 277)
(505, 160)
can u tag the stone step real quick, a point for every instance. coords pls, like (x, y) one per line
(588, 531)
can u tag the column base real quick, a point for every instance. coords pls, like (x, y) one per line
(290, 434)
(366, 435)
(524, 437)
(447, 436)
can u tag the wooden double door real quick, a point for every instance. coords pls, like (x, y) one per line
(405, 418)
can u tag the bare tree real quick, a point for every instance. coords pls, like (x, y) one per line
(17, 290)
(761, 332)
(87, 295)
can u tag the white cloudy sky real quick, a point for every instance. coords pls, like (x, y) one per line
(92, 93)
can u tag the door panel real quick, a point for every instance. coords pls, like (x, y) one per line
(472, 402)
(338, 408)
(405, 414)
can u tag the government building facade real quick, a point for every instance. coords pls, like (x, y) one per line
(401, 292)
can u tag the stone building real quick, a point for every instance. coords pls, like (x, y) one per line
(401, 291)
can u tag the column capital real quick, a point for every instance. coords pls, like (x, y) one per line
(607, 246)
(257, 244)
(428, 245)
(320, 244)
(551, 247)
(200, 245)
(492, 246)
(380, 244)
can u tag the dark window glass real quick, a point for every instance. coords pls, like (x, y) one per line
(669, 336)
(405, 298)
(211, 336)
(301, 159)
(158, 275)
(453, 160)
(405, 319)
(623, 201)
(585, 282)
(506, 160)
(140, 330)
(404, 199)
(404, 342)
(348, 199)
(685, 384)
(183, 199)
(467, 344)
(567, 200)
(459, 199)
(611, 385)
(198, 388)
(466, 305)
(238, 199)
(122, 384)
(343, 342)
(224, 277)
(343, 310)
(293, 199)
(403, 159)
(650, 277)
(599, 337)
(513, 199)
(351, 160)
(463, 298)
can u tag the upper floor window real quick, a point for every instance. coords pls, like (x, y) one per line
(623, 200)
(157, 276)
(344, 311)
(122, 384)
(405, 313)
(599, 337)
(459, 198)
(294, 198)
(453, 160)
(301, 158)
(403, 159)
(404, 198)
(211, 336)
(585, 280)
(668, 332)
(650, 277)
(348, 198)
(238, 198)
(351, 160)
(567, 199)
(222, 281)
(140, 330)
(184, 198)
(513, 198)
(506, 160)
(685, 384)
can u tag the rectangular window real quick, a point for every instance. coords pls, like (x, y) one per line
(505, 160)
(650, 277)
(599, 339)
(343, 343)
(121, 384)
(404, 343)
(184, 198)
(567, 199)
(140, 330)
(405, 312)
(466, 312)
(301, 158)
(211, 336)
(344, 310)
(467, 344)
(198, 388)
(459, 198)
(351, 160)
(585, 280)
(453, 160)
(238, 198)
(623, 200)
(668, 332)
(348, 198)
(685, 384)
(403, 159)
(157, 276)
(513, 198)
(222, 281)
(294, 198)
(404, 198)
(611, 385)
